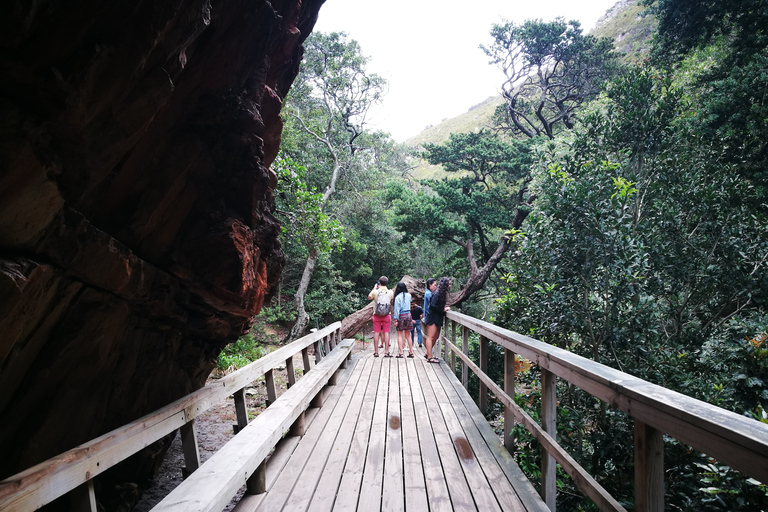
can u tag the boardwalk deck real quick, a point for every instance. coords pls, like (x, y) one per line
(394, 435)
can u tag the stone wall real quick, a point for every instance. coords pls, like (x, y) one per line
(136, 234)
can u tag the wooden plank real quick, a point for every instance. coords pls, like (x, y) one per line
(649, 469)
(214, 484)
(415, 487)
(275, 463)
(463, 407)
(434, 479)
(373, 474)
(470, 457)
(548, 416)
(461, 496)
(352, 477)
(520, 483)
(581, 478)
(732, 439)
(310, 449)
(393, 488)
(329, 437)
(330, 481)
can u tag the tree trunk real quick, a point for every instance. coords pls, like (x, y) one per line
(302, 318)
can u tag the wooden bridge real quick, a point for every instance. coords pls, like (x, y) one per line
(365, 433)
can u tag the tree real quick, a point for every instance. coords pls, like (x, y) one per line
(489, 198)
(329, 103)
(551, 70)
(730, 37)
(642, 255)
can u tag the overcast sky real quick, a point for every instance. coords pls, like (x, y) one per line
(428, 50)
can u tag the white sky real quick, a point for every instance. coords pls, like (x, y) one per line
(428, 50)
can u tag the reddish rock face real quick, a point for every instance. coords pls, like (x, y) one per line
(136, 234)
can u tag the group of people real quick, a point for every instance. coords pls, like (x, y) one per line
(407, 316)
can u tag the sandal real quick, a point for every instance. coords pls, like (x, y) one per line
(375, 354)
(433, 360)
(399, 356)
(387, 355)
(410, 355)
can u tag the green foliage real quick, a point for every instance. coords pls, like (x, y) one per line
(551, 70)
(245, 350)
(482, 196)
(300, 209)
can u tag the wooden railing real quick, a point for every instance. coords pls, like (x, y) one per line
(734, 440)
(74, 470)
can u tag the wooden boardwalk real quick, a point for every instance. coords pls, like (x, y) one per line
(394, 434)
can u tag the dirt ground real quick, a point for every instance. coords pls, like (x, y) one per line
(214, 429)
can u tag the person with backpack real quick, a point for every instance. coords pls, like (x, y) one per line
(435, 315)
(382, 320)
(403, 320)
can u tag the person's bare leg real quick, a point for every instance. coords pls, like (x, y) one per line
(386, 342)
(428, 340)
(375, 342)
(436, 336)
(400, 335)
(409, 340)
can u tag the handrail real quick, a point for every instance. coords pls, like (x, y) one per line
(241, 459)
(47, 481)
(732, 439)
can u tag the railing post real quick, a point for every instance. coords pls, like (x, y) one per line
(483, 395)
(241, 410)
(257, 482)
(269, 380)
(305, 359)
(649, 468)
(465, 350)
(83, 498)
(548, 422)
(318, 355)
(509, 389)
(290, 371)
(189, 447)
(327, 344)
(453, 340)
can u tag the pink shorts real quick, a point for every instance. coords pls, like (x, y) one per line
(382, 323)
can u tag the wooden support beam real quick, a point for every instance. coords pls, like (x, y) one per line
(549, 424)
(299, 426)
(649, 469)
(290, 371)
(83, 498)
(318, 351)
(241, 410)
(332, 381)
(269, 380)
(509, 389)
(447, 350)
(189, 447)
(257, 482)
(465, 351)
(305, 360)
(482, 399)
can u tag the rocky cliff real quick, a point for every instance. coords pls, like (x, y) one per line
(136, 234)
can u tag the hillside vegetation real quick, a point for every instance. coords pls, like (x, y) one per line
(623, 23)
